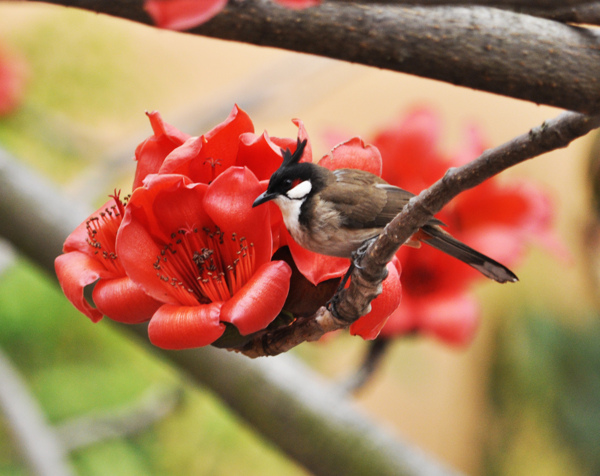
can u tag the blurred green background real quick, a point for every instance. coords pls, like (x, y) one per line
(523, 399)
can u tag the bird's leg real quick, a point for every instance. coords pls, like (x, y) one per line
(357, 256)
(361, 251)
(335, 299)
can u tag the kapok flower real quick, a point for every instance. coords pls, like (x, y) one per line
(13, 75)
(186, 14)
(89, 256)
(153, 151)
(435, 298)
(203, 158)
(204, 252)
(494, 218)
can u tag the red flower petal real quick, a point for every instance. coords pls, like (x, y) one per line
(203, 158)
(288, 143)
(13, 78)
(472, 146)
(353, 154)
(124, 301)
(261, 299)
(168, 203)
(298, 4)
(76, 270)
(427, 271)
(181, 327)
(260, 154)
(228, 202)
(315, 267)
(369, 325)
(454, 320)
(182, 14)
(151, 153)
(78, 239)
(409, 151)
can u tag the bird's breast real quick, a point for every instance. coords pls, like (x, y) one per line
(319, 228)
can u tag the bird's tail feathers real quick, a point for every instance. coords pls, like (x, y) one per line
(446, 243)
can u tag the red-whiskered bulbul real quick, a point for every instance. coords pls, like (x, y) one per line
(334, 212)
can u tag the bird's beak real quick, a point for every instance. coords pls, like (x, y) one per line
(263, 198)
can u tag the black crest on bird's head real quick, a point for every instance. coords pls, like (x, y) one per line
(289, 158)
(289, 174)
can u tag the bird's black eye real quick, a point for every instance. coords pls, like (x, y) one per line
(288, 183)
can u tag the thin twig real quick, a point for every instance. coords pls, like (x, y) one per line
(484, 48)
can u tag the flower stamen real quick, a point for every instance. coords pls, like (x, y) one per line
(204, 266)
(102, 232)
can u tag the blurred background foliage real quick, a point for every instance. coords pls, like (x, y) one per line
(523, 399)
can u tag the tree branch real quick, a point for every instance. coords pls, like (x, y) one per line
(308, 418)
(40, 446)
(574, 11)
(492, 50)
(541, 5)
(367, 277)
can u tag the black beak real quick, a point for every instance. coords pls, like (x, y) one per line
(263, 198)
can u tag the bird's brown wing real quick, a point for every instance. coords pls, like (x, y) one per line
(363, 199)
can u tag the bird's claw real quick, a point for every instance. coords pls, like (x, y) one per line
(361, 251)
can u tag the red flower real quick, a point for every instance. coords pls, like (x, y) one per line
(435, 297)
(182, 14)
(494, 218)
(89, 256)
(189, 252)
(186, 14)
(13, 75)
(203, 158)
(151, 153)
(204, 252)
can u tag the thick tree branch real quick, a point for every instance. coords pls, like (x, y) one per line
(541, 4)
(493, 50)
(364, 287)
(308, 418)
(574, 11)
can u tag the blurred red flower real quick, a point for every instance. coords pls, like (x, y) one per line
(13, 77)
(495, 218)
(204, 252)
(186, 14)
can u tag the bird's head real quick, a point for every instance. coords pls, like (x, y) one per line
(292, 180)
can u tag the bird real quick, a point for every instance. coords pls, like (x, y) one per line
(334, 212)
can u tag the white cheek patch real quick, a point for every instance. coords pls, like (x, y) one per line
(300, 191)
